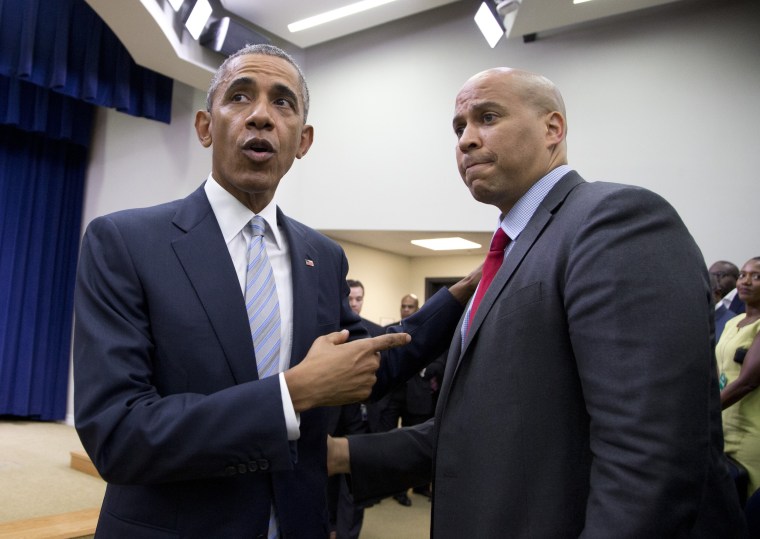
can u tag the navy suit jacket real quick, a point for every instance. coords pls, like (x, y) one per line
(168, 403)
(737, 305)
(570, 410)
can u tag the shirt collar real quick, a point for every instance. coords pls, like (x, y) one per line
(515, 221)
(233, 216)
(728, 298)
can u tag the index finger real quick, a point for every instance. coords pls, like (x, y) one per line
(387, 341)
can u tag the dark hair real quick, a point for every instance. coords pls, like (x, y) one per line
(353, 283)
(732, 270)
(266, 50)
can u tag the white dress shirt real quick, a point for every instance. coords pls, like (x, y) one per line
(726, 300)
(233, 218)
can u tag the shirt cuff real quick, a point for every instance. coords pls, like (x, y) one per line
(292, 419)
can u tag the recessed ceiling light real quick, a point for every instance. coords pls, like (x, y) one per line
(446, 244)
(198, 18)
(334, 14)
(488, 24)
(580, 1)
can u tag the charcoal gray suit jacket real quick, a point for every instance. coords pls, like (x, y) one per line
(570, 409)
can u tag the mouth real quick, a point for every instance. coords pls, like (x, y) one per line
(258, 149)
(474, 164)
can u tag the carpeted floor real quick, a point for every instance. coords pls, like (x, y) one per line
(35, 474)
(37, 480)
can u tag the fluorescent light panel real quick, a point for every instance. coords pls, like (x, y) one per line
(488, 25)
(446, 244)
(580, 1)
(334, 14)
(198, 18)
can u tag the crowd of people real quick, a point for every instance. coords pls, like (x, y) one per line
(221, 365)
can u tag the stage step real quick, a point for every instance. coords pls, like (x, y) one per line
(65, 526)
(81, 461)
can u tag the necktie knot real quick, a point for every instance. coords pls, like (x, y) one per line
(258, 225)
(499, 241)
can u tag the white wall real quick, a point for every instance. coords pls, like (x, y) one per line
(666, 99)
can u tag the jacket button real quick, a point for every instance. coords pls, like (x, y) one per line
(263, 465)
(252, 466)
(230, 470)
(241, 468)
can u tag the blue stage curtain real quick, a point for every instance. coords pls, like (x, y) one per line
(63, 45)
(38, 110)
(57, 61)
(41, 192)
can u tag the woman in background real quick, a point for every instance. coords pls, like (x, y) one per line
(738, 355)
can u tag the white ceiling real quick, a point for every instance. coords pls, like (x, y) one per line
(270, 16)
(533, 16)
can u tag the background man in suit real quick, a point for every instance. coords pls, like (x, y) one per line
(356, 302)
(346, 517)
(723, 275)
(412, 402)
(566, 408)
(192, 436)
(410, 304)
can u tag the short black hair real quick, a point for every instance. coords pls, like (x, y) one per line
(267, 50)
(352, 283)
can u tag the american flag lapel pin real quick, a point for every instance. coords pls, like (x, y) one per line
(309, 262)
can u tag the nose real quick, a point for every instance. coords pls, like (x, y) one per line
(469, 139)
(259, 115)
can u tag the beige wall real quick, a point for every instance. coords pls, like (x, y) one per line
(387, 277)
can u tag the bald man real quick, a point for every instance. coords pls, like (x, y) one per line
(566, 408)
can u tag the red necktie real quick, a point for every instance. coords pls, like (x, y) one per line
(494, 258)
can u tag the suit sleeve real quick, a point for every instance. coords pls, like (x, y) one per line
(431, 328)
(639, 319)
(386, 463)
(134, 433)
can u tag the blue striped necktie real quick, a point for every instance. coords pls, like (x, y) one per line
(261, 303)
(263, 316)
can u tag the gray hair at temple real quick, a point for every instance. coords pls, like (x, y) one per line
(266, 50)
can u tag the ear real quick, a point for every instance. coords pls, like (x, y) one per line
(203, 127)
(307, 137)
(555, 128)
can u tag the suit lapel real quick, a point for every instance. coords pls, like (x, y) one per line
(305, 267)
(525, 242)
(206, 260)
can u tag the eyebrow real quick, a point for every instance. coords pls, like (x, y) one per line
(240, 82)
(278, 89)
(286, 91)
(479, 107)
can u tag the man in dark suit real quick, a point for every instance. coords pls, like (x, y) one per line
(566, 408)
(723, 276)
(346, 517)
(356, 302)
(192, 437)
